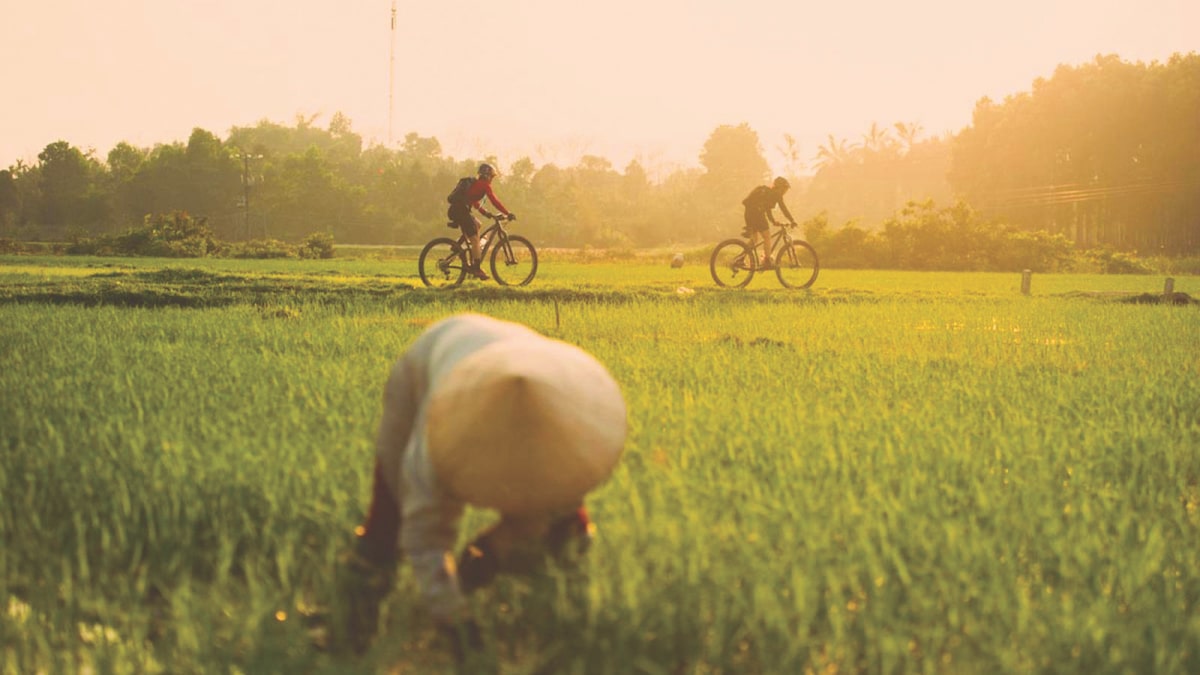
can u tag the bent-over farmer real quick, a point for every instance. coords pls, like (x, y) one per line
(488, 413)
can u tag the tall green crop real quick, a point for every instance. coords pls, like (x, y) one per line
(916, 479)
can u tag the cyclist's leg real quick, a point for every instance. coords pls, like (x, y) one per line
(756, 225)
(469, 226)
(460, 216)
(476, 254)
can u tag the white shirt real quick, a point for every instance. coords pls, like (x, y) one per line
(429, 516)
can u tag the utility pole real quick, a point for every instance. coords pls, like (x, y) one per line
(246, 180)
(246, 193)
(391, 71)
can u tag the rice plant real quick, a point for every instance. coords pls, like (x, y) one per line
(890, 473)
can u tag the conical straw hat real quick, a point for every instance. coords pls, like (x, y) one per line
(526, 425)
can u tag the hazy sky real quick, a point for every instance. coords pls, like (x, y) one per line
(550, 79)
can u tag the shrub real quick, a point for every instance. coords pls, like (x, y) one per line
(170, 235)
(192, 247)
(1108, 261)
(317, 245)
(1178, 265)
(260, 249)
(852, 248)
(177, 235)
(1036, 251)
(83, 246)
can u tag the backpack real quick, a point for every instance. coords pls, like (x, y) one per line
(459, 194)
(760, 199)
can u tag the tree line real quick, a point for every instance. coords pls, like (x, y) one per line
(1104, 154)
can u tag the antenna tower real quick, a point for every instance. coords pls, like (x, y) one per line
(391, 72)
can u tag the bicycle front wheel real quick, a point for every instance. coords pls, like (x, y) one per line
(732, 264)
(514, 261)
(797, 265)
(443, 263)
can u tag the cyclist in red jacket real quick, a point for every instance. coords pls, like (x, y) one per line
(460, 214)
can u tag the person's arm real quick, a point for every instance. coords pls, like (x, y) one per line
(495, 202)
(431, 519)
(787, 214)
(430, 531)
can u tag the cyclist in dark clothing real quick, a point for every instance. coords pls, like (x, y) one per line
(759, 204)
(460, 214)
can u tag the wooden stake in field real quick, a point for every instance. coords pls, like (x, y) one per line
(1026, 279)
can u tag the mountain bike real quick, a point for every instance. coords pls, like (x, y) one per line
(444, 261)
(734, 261)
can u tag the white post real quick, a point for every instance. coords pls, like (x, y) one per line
(1026, 277)
(1169, 289)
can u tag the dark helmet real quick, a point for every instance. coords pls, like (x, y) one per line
(782, 182)
(486, 170)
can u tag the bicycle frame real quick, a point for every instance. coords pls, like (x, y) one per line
(494, 233)
(778, 240)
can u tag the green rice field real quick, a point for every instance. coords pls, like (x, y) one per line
(891, 472)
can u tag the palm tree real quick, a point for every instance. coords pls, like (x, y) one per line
(835, 152)
(908, 134)
(791, 155)
(877, 140)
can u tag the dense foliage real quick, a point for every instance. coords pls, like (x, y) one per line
(1106, 155)
(922, 236)
(178, 235)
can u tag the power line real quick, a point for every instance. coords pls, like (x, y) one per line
(1052, 195)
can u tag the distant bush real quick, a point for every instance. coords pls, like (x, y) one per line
(1035, 251)
(318, 245)
(923, 237)
(86, 246)
(850, 247)
(178, 235)
(169, 235)
(9, 246)
(1108, 261)
(258, 248)
(1178, 265)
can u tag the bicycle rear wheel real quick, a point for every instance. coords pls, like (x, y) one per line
(514, 261)
(797, 265)
(732, 264)
(443, 263)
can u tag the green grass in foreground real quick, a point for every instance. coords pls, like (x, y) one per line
(891, 473)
